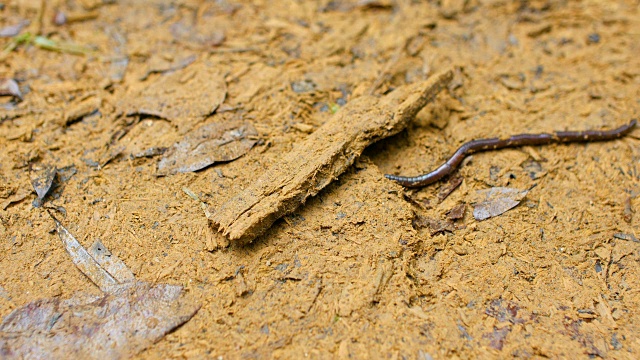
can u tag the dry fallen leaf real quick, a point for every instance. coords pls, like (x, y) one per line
(210, 143)
(126, 319)
(115, 325)
(42, 178)
(81, 258)
(495, 201)
(110, 263)
(9, 87)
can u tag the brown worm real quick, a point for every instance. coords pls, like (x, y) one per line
(514, 141)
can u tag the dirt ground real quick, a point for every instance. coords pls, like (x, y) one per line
(354, 272)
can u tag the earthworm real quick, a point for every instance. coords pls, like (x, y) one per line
(514, 141)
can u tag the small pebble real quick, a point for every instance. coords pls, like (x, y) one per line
(593, 38)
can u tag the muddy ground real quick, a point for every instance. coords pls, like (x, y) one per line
(356, 272)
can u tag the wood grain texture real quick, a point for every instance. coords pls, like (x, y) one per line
(322, 157)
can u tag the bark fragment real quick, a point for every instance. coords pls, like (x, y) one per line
(324, 155)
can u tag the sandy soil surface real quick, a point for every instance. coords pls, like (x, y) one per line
(366, 268)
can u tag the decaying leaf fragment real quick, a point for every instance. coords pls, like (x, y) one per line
(10, 87)
(324, 155)
(127, 318)
(496, 201)
(81, 258)
(209, 144)
(114, 325)
(110, 263)
(42, 178)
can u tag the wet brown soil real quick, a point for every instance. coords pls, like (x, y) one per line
(366, 268)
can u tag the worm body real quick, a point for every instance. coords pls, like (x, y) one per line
(514, 141)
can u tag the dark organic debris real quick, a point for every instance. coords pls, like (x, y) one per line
(496, 201)
(627, 237)
(504, 311)
(534, 169)
(435, 226)
(497, 337)
(42, 178)
(345, 6)
(457, 212)
(150, 152)
(583, 338)
(448, 188)
(209, 144)
(422, 203)
(114, 325)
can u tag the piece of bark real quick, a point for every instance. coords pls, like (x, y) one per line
(324, 155)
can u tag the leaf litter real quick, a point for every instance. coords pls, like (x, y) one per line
(42, 177)
(549, 97)
(114, 325)
(9, 87)
(496, 201)
(209, 144)
(127, 318)
(201, 147)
